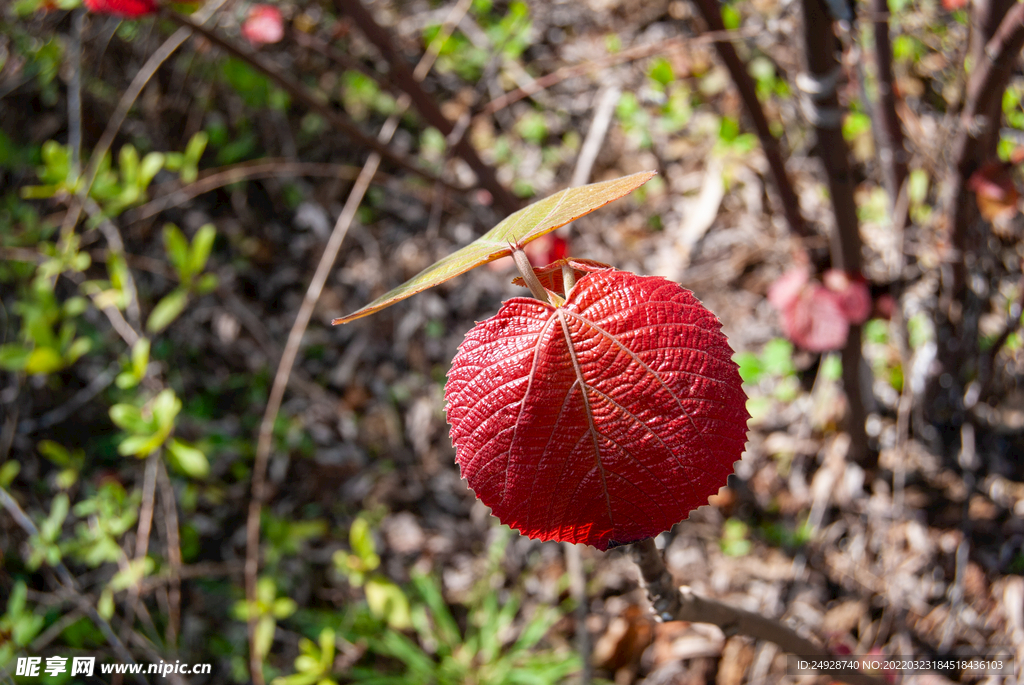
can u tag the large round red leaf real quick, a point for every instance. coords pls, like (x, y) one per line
(604, 421)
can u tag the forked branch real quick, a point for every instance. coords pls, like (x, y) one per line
(674, 603)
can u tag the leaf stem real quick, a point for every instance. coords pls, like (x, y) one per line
(526, 271)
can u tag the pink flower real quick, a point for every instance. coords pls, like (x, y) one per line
(264, 25)
(122, 8)
(817, 317)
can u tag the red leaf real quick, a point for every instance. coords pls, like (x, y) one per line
(852, 291)
(815, 321)
(122, 8)
(994, 191)
(603, 421)
(263, 25)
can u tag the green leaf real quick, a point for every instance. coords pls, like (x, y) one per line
(167, 310)
(8, 472)
(189, 459)
(14, 357)
(129, 165)
(201, 246)
(105, 605)
(387, 601)
(177, 248)
(661, 71)
(151, 165)
(519, 229)
(140, 445)
(140, 357)
(264, 635)
(166, 406)
(44, 360)
(129, 418)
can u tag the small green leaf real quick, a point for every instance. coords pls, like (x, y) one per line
(264, 635)
(151, 165)
(519, 229)
(129, 418)
(14, 357)
(166, 406)
(201, 246)
(189, 459)
(387, 601)
(207, 283)
(661, 71)
(167, 310)
(140, 357)
(129, 165)
(177, 247)
(140, 445)
(8, 472)
(105, 605)
(44, 360)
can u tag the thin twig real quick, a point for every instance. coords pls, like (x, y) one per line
(300, 93)
(408, 81)
(75, 89)
(59, 414)
(141, 540)
(632, 54)
(170, 506)
(290, 353)
(245, 171)
(712, 14)
(674, 603)
(116, 243)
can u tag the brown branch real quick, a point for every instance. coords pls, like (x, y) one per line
(712, 14)
(632, 54)
(170, 506)
(141, 541)
(893, 153)
(245, 171)
(978, 131)
(299, 93)
(673, 603)
(820, 101)
(402, 76)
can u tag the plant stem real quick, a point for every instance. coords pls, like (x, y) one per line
(674, 603)
(526, 271)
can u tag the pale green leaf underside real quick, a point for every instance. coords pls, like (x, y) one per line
(518, 229)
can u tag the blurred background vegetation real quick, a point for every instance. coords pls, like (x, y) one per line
(151, 270)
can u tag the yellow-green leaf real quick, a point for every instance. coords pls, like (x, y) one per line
(190, 460)
(44, 360)
(518, 229)
(167, 310)
(387, 601)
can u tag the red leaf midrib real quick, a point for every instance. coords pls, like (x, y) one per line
(584, 387)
